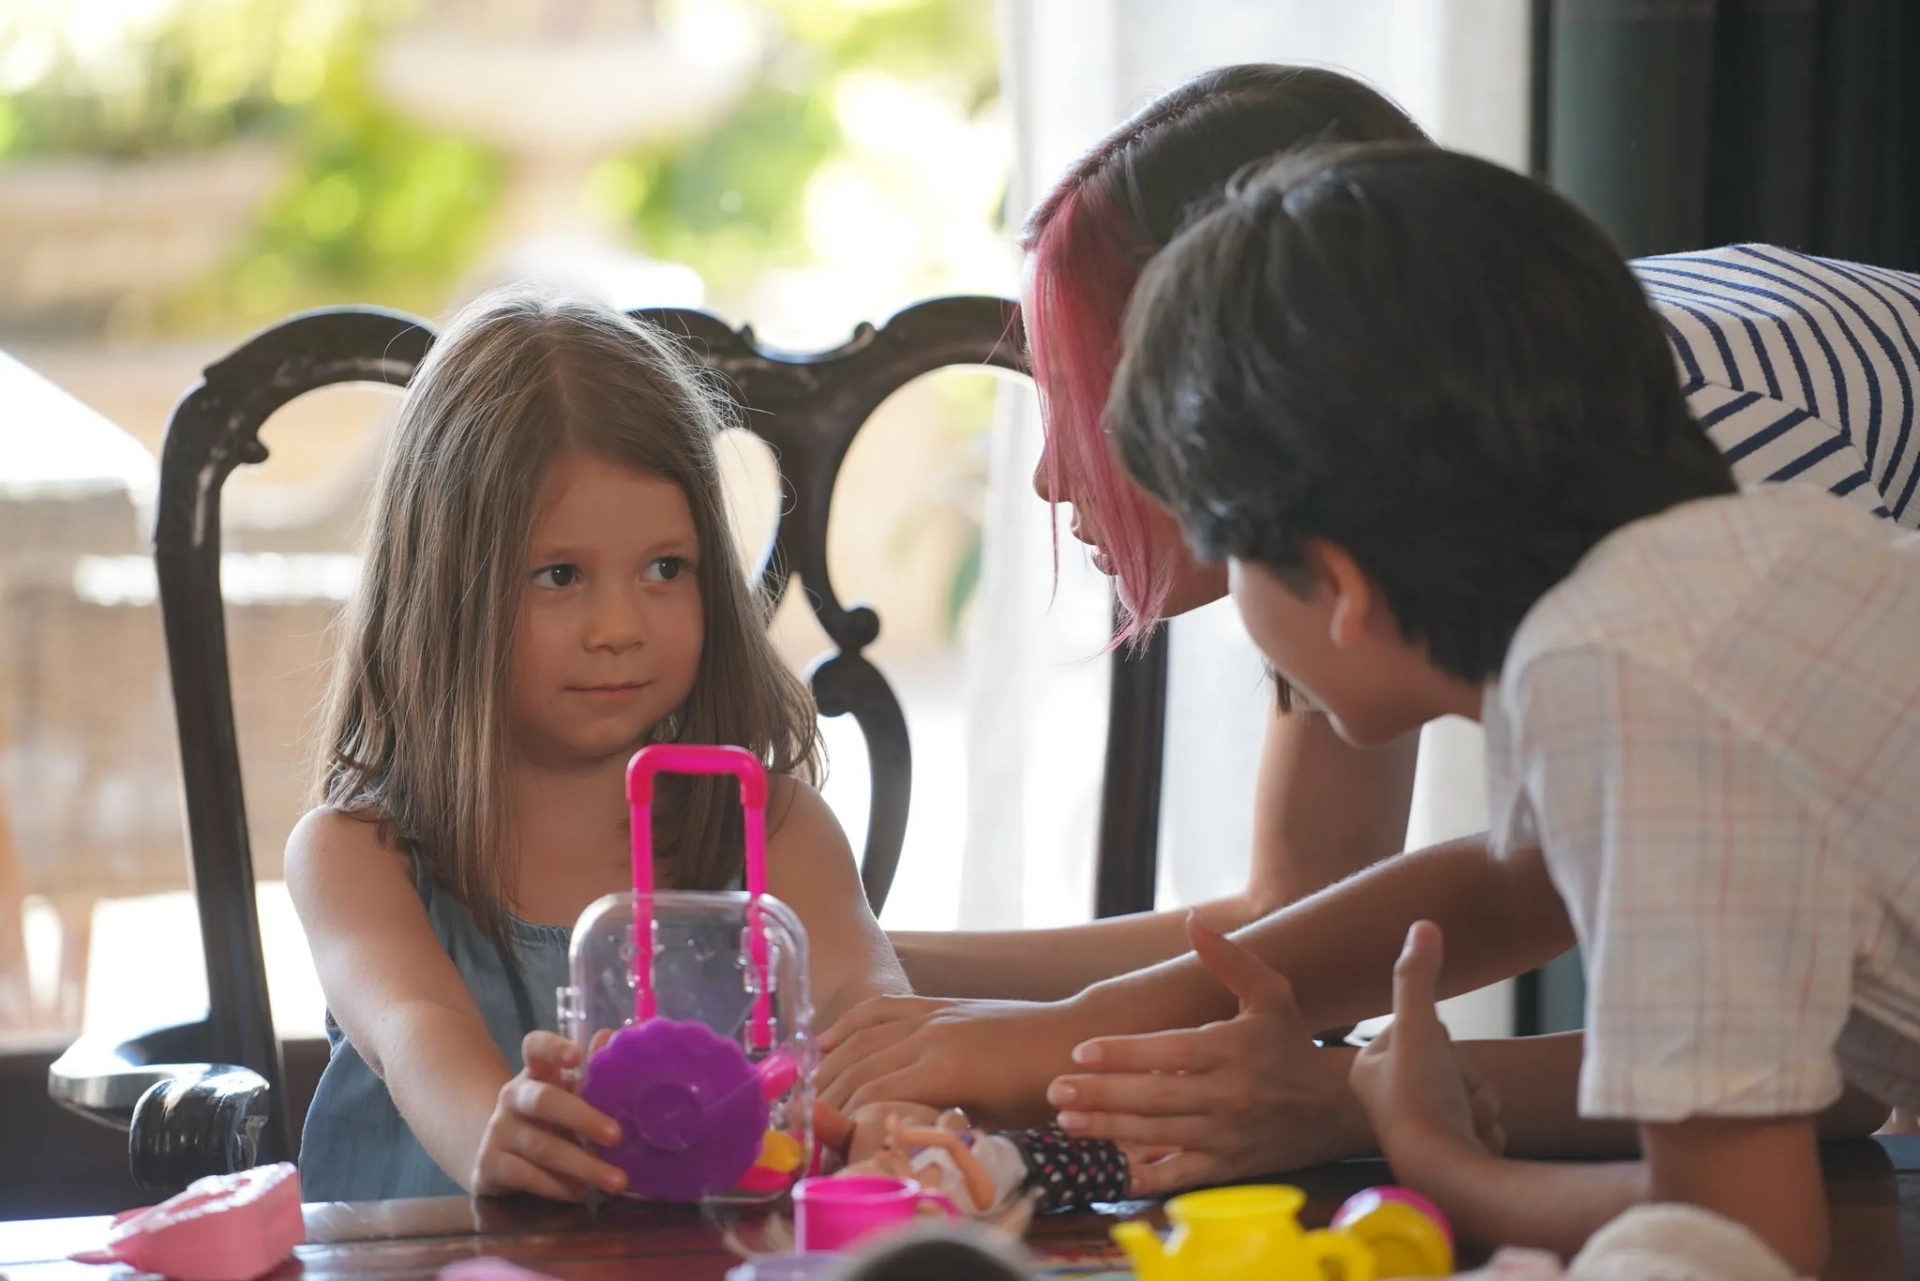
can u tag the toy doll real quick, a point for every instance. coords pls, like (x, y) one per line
(995, 1176)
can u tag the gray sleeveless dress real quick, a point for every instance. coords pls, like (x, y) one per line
(357, 1146)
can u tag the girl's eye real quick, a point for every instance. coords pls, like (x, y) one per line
(557, 575)
(667, 568)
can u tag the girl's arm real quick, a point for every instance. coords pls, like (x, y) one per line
(810, 868)
(1322, 811)
(398, 998)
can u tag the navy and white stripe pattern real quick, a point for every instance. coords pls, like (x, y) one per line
(1801, 368)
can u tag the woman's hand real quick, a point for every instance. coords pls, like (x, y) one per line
(993, 1058)
(1242, 1097)
(530, 1144)
(1425, 1103)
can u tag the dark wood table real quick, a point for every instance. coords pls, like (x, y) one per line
(1873, 1189)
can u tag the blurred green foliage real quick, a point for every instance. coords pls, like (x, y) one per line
(374, 206)
(728, 203)
(198, 76)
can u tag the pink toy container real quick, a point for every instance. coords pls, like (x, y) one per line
(693, 1015)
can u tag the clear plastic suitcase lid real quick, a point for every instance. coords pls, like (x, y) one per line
(702, 1051)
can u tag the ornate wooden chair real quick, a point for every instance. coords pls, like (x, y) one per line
(209, 1096)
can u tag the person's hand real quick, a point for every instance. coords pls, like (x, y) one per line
(993, 1058)
(1233, 1099)
(530, 1144)
(1425, 1103)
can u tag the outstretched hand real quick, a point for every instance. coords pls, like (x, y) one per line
(1424, 1100)
(1248, 1095)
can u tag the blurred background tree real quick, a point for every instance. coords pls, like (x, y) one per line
(374, 205)
(176, 173)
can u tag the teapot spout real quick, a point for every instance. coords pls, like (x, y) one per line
(1144, 1251)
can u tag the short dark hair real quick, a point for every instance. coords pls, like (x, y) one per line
(938, 1254)
(1431, 361)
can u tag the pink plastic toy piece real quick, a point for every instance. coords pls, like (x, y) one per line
(230, 1227)
(833, 1214)
(778, 1073)
(642, 772)
(764, 1182)
(487, 1268)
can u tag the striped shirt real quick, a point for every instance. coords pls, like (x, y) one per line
(1802, 369)
(1711, 728)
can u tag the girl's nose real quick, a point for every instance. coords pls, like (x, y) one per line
(1040, 485)
(618, 620)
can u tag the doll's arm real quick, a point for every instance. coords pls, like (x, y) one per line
(857, 1136)
(981, 1189)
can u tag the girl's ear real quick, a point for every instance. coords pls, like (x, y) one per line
(1354, 596)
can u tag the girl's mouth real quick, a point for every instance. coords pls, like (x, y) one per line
(614, 691)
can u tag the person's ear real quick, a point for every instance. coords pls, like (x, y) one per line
(1354, 596)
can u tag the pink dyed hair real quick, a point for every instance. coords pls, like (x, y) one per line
(1090, 238)
(1085, 265)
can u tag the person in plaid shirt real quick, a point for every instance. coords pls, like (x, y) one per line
(1424, 411)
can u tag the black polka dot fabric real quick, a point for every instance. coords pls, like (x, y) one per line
(1071, 1173)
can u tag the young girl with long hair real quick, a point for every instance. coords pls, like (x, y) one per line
(550, 584)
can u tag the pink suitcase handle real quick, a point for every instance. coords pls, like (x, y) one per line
(678, 758)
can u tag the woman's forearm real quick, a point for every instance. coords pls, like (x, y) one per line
(1500, 915)
(1054, 964)
(1324, 810)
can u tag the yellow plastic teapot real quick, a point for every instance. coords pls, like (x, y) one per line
(1242, 1234)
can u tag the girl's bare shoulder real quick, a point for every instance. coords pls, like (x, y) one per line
(795, 806)
(331, 845)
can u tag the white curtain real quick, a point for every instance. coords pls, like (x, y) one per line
(1075, 68)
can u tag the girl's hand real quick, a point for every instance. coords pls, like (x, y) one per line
(1424, 1103)
(531, 1142)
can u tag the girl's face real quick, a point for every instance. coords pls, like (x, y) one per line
(1195, 584)
(610, 627)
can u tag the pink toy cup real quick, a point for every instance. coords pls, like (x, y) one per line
(833, 1214)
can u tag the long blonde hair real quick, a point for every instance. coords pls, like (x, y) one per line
(416, 727)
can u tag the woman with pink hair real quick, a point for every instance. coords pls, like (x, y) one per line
(1073, 1024)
